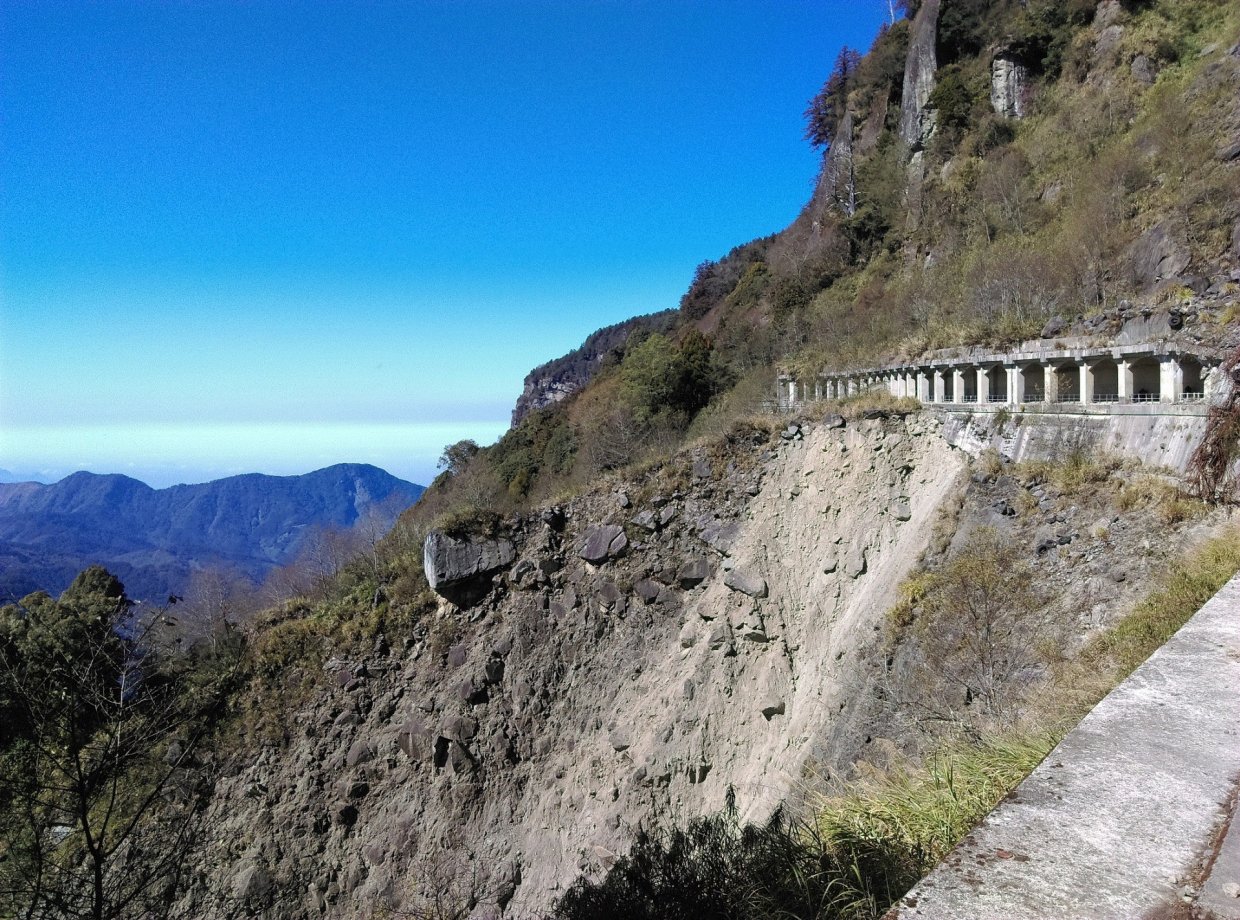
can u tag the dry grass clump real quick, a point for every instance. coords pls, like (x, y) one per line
(854, 407)
(1167, 500)
(1186, 586)
(1080, 472)
(893, 826)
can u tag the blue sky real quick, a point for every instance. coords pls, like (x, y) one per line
(273, 236)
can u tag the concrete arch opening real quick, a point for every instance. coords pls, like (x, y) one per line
(1194, 377)
(969, 384)
(1146, 380)
(949, 385)
(1068, 380)
(1033, 382)
(1105, 375)
(996, 384)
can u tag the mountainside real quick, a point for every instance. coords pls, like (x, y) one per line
(722, 622)
(654, 596)
(153, 538)
(560, 378)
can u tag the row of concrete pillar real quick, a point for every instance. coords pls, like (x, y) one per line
(1144, 378)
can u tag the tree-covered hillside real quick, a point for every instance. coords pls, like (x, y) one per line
(988, 167)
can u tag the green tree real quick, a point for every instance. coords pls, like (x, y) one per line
(97, 794)
(665, 382)
(829, 104)
(456, 457)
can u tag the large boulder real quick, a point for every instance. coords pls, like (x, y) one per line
(746, 582)
(602, 543)
(1157, 255)
(693, 571)
(455, 564)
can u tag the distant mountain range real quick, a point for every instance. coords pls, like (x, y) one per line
(152, 539)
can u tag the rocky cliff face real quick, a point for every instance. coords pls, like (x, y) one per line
(838, 183)
(1009, 84)
(645, 647)
(719, 624)
(920, 70)
(556, 380)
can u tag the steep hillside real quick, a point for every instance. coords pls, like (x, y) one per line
(991, 171)
(656, 632)
(154, 538)
(653, 593)
(719, 623)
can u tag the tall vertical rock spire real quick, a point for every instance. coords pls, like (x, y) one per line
(838, 184)
(917, 119)
(921, 66)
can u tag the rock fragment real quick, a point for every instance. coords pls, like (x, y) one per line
(746, 582)
(602, 543)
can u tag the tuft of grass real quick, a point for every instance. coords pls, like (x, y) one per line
(854, 407)
(1169, 502)
(1080, 471)
(894, 826)
(912, 593)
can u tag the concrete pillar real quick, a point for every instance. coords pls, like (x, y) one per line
(792, 393)
(1171, 378)
(983, 384)
(1015, 386)
(940, 385)
(925, 391)
(817, 388)
(1125, 379)
(957, 385)
(1087, 383)
(1050, 384)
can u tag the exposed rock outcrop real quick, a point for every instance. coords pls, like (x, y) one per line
(872, 129)
(917, 119)
(1157, 256)
(602, 543)
(499, 752)
(558, 379)
(1009, 84)
(455, 564)
(838, 185)
(920, 71)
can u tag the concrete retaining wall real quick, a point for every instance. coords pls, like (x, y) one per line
(1157, 439)
(1128, 817)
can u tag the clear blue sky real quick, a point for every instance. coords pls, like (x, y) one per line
(272, 236)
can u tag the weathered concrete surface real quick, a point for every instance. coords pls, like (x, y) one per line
(1219, 896)
(1119, 820)
(1159, 436)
